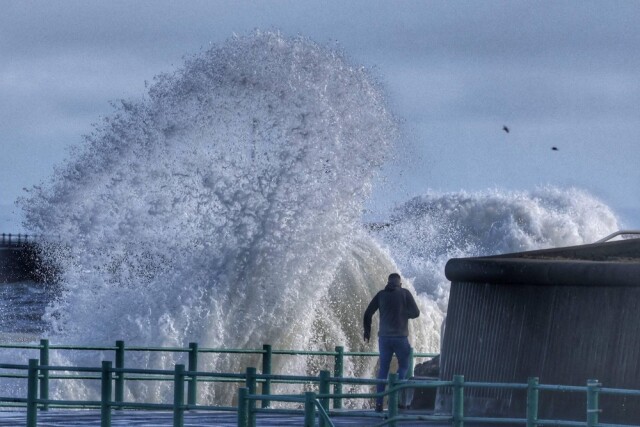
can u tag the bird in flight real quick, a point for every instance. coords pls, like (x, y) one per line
(505, 128)
(554, 148)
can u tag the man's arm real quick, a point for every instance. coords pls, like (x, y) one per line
(412, 308)
(368, 315)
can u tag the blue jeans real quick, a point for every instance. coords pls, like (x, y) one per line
(387, 347)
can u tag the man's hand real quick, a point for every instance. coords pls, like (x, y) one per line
(366, 336)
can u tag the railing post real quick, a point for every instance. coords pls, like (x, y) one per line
(593, 388)
(251, 385)
(324, 388)
(178, 397)
(411, 365)
(393, 398)
(338, 372)
(532, 402)
(309, 409)
(44, 374)
(192, 390)
(119, 394)
(266, 370)
(458, 401)
(105, 396)
(243, 407)
(32, 393)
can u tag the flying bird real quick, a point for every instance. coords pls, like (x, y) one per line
(505, 128)
(554, 148)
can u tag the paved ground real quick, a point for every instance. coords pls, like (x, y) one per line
(69, 418)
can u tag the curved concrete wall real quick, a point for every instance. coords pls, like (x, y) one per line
(543, 314)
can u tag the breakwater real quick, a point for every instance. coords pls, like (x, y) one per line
(21, 260)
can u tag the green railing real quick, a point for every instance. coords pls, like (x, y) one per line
(194, 351)
(313, 405)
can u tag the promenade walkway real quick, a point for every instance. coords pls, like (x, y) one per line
(90, 418)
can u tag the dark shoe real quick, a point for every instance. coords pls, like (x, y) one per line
(378, 407)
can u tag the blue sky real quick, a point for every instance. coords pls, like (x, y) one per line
(557, 73)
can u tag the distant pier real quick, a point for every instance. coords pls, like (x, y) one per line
(20, 259)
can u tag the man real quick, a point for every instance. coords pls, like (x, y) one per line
(396, 306)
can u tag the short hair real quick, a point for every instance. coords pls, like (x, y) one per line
(394, 279)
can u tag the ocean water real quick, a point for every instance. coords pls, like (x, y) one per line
(225, 207)
(22, 307)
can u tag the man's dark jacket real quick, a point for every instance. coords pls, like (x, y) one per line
(396, 306)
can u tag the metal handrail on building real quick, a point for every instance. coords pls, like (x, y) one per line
(619, 233)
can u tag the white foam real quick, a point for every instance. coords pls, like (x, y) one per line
(427, 231)
(223, 208)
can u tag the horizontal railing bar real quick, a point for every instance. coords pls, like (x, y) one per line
(613, 425)
(86, 403)
(429, 384)
(68, 368)
(619, 391)
(74, 377)
(361, 353)
(231, 350)
(13, 399)
(494, 385)
(200, 374)
(561, 423)
(211, 408)
(22, 346)
(552, 387)
(301, 378)
(362, 381)
(156, 349)
(280, 411)
(135, 405)
(12, 366)
(418, 417)
(305, 353)
(142, 371)
(277, 398)
(157, 378)
(495, 420)
(14, 376)
(79, 347)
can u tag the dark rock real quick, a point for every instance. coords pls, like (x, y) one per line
(425, 398)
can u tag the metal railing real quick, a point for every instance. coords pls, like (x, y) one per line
(619, 233)
(314, 405)
(16, 239)
(194, 351)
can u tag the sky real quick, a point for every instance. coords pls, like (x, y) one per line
(562, 74)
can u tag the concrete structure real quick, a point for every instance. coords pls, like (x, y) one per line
(564, 315)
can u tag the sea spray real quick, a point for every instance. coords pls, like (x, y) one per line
(426, 231)
(224, 208)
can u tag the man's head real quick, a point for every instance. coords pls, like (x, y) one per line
(394, 279)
